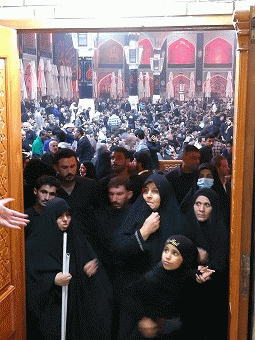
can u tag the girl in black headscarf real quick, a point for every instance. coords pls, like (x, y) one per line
(207, 177)
(210, 235)
(155, 302)
(89, 291)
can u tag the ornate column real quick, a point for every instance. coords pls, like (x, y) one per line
(242, 180)
(156, 67)
(133, 54)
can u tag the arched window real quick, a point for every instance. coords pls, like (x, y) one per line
(218, 86)
(110, 54)
(218, 53)
(181, 52)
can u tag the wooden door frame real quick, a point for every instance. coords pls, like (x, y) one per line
(244, 125)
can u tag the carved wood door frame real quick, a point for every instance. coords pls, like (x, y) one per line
(243, 159)
(12, 278)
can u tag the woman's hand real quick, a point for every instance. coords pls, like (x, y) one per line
(62, 279)
(148, 327)
(150, 225)
(206, 274)
(202, 256)
(91, 267)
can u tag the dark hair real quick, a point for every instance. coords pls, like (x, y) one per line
(50, 180)
(125, 151)
(190, 148)
(116, 182)
(64, 153)
(154, 132)
(200, 138)
(216, 160)
(90, 169)
(42, 133)
(139, 133)
(143, 157)
(80, 130)
(209, 135)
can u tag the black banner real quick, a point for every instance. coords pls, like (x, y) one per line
(133, 89)
(199, 62)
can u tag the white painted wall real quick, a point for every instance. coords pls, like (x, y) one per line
(63, 9)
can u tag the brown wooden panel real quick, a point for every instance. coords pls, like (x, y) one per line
(12, 277)
(7, 313)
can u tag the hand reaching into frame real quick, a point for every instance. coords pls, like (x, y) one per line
(11, 218)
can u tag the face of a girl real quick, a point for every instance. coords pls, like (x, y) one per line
(151, 196)
(171, 257)
(63, 221)
(202, 208)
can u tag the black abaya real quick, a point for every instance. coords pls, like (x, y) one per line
(212, 236)
(89, 298)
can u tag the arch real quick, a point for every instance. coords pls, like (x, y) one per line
(147, 51)
(177, 81)
(218, 85)
(110, 54)
(181, 52)
(104, 86)
(217, 52)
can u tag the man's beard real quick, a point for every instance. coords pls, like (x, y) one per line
(66, 179)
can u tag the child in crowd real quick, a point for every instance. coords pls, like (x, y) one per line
(156, 301)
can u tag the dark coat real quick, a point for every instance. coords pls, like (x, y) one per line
(84, 199)
(84, 150)
(212, 235)
(89, 308)
(181, 182)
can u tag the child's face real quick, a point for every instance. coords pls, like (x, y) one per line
(171, 257)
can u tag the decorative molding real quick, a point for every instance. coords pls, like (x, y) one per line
(242, 24)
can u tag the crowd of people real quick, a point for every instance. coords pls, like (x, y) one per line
(146, 244)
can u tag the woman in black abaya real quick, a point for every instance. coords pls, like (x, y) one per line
(210, 233)
(89, 291)
(141, 237)
(207, 177)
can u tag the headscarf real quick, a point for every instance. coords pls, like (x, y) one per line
(186, 248)
(211, 235)
(88, 298)
(187, 203)
(171, 222)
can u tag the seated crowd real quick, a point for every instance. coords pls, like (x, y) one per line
(146, 244)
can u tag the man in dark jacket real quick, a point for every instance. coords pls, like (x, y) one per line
(84, 150)
(154, 148)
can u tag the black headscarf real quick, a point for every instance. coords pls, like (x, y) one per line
(211, 235)
(171, 222)
(217, 186)
(89, 310)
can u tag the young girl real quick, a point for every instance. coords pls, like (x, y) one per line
(155, 302)
(89, 291)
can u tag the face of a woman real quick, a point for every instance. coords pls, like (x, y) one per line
(151, 196)
(63, 221)
(202, 208)
(82, 170)
(205, 173)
